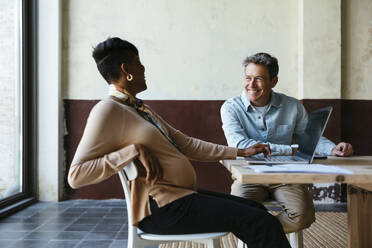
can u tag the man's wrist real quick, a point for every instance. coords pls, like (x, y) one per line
(239, 152)
(294, 148)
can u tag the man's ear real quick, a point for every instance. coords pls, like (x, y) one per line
(274, 81)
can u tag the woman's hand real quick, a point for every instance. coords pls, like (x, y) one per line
(252, 150)
(148, 162)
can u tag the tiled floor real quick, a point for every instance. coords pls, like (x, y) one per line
(103, 224)
(68, 224)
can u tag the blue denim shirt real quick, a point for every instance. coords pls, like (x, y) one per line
(281, 125)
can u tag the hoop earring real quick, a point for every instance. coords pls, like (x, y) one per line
(129, 77)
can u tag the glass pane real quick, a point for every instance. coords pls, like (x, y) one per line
(10, 95)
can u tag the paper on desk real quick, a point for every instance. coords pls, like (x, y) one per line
(299, 168)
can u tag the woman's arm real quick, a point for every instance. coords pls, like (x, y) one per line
(102, 151)
(196, 149)
(98, 169)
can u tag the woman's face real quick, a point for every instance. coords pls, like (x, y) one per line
(138, 84)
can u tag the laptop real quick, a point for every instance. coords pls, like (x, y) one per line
(307, 144)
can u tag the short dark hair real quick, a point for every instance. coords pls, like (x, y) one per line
(270, 62)
(110, 54)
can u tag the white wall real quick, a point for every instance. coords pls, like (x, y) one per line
(319, 49)
(50, 143)
(357, 49)
(192, 49)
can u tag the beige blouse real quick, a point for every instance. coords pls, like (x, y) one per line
(107, 146)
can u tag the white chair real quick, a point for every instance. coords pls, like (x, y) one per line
(139, 239)
(295, 238)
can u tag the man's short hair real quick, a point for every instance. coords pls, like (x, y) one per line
(270, 62)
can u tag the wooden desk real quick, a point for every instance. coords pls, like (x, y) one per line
(359, 193)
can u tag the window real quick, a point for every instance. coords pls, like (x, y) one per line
(17, 108)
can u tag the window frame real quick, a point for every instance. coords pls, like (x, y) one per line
(28, 108)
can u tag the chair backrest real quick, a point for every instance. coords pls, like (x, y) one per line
(126, 175)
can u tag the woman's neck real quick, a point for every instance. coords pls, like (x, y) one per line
(124, 90)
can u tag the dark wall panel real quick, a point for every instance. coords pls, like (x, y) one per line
(333, 130)
(350, 122)
(357, 124)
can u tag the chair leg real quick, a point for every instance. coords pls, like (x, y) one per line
(296, 239)
(241, 244)
(130, 243)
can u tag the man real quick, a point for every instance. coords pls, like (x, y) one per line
(260, 115)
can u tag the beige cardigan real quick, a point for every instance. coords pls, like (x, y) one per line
(107, 146)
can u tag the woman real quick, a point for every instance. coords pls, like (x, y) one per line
(120, 128)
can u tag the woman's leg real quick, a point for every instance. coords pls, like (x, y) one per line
(215, 212)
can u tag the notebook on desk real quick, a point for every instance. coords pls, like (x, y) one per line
(307, 144)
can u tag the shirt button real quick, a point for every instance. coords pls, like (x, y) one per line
(259, 117)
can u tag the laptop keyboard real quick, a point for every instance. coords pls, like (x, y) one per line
(283, 158)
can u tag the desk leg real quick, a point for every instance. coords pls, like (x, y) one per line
(359, 215)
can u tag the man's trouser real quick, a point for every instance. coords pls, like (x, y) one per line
(297, 204)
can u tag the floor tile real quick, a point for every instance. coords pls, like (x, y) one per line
(70, 214)
(112, 221)
(42, 235)
(119, 244)
(122, 236)
(18, 227)
(53, 227)
(34, 220)
(118, 203)
(75, 210)
(107, 228)
(120, 215)
(98, 210)
(90, 221)
(93, 215)
(46, 215)
(122, 209)
(77, 227)
(12, 220)
(100, 235)
(63, 244)
(71, 235)
(61, 220)
(95, 244)
(29, 244)
(5, 243)
(13, 235)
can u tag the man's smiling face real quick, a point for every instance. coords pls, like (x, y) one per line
(258, 84)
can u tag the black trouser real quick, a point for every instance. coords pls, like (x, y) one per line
(208, 211)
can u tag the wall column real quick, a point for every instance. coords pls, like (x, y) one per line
(319, 49)
(49, 161)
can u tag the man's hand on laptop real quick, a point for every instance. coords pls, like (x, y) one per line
(343, 150)
(252, 150)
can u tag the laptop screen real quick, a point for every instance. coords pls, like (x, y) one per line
(314, 130)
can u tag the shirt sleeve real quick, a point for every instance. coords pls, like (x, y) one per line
(237, 136)
(196, 149)
(100, 153)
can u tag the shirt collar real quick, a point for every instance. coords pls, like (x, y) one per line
(274, 100)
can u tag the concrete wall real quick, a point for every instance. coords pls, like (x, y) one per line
(357, 49)
(192, 50)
